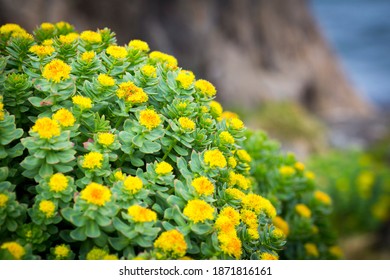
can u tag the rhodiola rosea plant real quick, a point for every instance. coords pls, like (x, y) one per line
(115, 152)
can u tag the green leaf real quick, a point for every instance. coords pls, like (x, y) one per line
(102, 220)
(78, 234)
(180, 150)
(3, 173)
(119, 243)
(46, 170)
(137, 162)
(138, 140)
(92, 229)
(51, 158)
(150, 147)
(201, 229)
(31, 162)
(125, 136)
(63, 168)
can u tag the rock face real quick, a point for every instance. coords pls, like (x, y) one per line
(253, 51)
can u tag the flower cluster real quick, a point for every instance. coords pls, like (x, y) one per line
(118, 153)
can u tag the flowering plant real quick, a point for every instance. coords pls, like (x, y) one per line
(114, 152)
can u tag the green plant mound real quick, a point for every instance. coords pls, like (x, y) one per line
(114, 152)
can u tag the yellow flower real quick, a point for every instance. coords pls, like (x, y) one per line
(142, 215)
(235, 193)
(68, 38)
(258, 203)
(48, 42)
(303, 210)
(63, 25)
(286, 171)
(46, 128)
(278, 233)
(282, 224)
(299, 166)
(1, 111)
(244, 156)
(131, 93)
(231, 213)
(336, 252)
(47, 207)
(186, 123)
(225, 225)
(133, 184)
(58, 182)
(203, 186)
(119, 175)
(42, 51)
(232, 162)
(106, 138)
(139, 45)
(3, 199)
(82, 102)
(268, 256)
(226, 138)
(365, 182)
(110, 258)
(239, 180)
(14, 248)
(185, 78)
(205, 87)
(10, 28)
(310, 175)
(47, 26)
(230, 244)
(311, 249)
(322, 197)
(164, 58)
(215, 158)
(106, 80)
(88, 56)
(96, 254)
(117, 52)
(235, 123)
(149, 119)
(149, 71)
(64, 117)
(56, 71)
(163, 168)
(250, 219)
(216, 109)
(91, 37)
(96, 194)
(172, 242)
(93, 160)
(198, 211)
(61, 251)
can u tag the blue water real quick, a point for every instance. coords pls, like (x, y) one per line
(359, 32)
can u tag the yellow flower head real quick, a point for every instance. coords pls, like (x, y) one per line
(48, 42)
(110, 257)
(63, 25)
(239, 180)
(198, 211)
(281, 224)
(91, 37)
(64, 117)
(311, 250)
(235, 193)
(149, 119)
(46, 128)
(58, 182)
(172, 242)
(131, 93)
(140, 214)
(47, 207)
(310, 175)
(336, 251)
(203, 186)
(96, 194)
(132, 184)
(3, 199)
(303, 210)
(268, 256)
(286, 171)
(230, 244)
(225, 225)
(82, 102)
(42, 51)
(249, 218)
(235, 123)
(244, 156)
(185, 78)
(47, 26)
(258, 203)
(215, 108)
(93, 160)
(10, 28)
(139, 45)
(205, 87)
(299, 166)
(164, 58)
(119, 175)
(106, 80)
(163, 168)
(56, 71)
(215, 158)
(1, 110)
(149, 71)
(186, 123)
(232, 162)
(322, 197)
(226, 138)
(14, 248)
(106, 138)
(117, 52)
(61, 251)
(278, 233)
(231, 213)
(96, 254)
(68, 38)
(88, 56)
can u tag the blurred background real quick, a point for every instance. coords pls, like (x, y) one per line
(312, 74)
